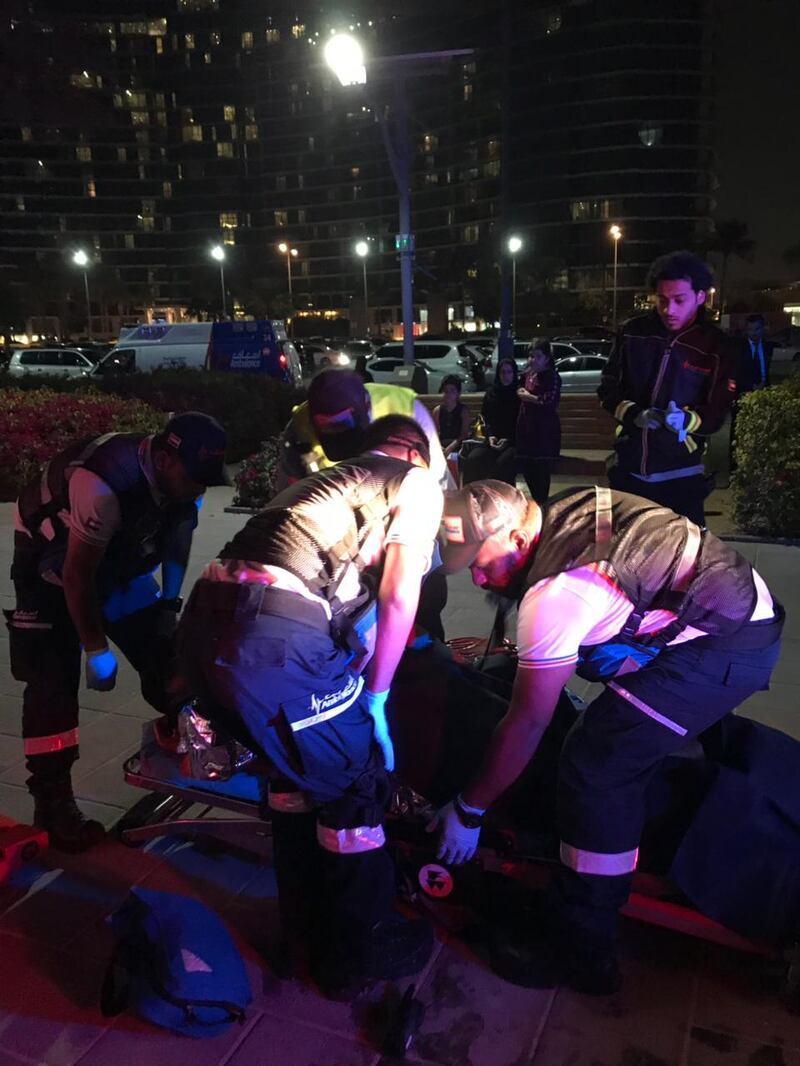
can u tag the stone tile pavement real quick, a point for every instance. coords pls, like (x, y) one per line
(683, 1001)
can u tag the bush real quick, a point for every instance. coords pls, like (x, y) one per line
(251, 407)
(255, 481)
(35, 425)
(766, 482)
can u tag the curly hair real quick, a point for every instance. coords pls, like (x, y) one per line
(681, 266)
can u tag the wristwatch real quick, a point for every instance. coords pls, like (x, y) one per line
(173, 605)
(469, 819)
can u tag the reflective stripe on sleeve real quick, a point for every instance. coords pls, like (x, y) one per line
(605, 864)
(350, 841)
(55, 742)
(651, 712)
(289, 802)
(324, 716)
(622, 408)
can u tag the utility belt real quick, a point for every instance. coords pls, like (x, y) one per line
(241, 600)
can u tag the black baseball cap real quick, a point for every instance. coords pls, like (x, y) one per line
(199, 441)
(474, 514)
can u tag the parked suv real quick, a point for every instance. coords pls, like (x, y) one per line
(64, 362)
(437, 358)
(560, 350)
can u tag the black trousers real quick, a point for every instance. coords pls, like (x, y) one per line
(683, 495)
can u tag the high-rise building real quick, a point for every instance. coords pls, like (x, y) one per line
(147, 131)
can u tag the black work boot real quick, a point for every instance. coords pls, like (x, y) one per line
(56, 811)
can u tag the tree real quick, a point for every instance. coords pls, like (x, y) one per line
(730, 239)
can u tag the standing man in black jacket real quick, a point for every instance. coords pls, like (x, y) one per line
(670, 380)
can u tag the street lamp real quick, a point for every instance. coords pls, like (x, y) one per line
(362, 250)
(345, 57)
(81, 259)
(616, 234)
(514, 245)
(290, 253)
(218, 253)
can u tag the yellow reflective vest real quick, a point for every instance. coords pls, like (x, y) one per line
(385, 400)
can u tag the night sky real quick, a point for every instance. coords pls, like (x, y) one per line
(759, 111)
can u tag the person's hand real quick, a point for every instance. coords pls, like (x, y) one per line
(101, 670)
(675, 419)
(493, 442)
(501, 443)
(649, 418)
(457, 843)
(376, 708)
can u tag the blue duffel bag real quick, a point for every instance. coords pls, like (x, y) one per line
(175, 964)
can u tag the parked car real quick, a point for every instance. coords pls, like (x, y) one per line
(588, 346)
(561, 350)
(438, 359)
(581, 373)
(354, 349)
(62, 362)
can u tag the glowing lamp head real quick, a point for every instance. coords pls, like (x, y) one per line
(283, 248)
(292, 251)
(217, 252)
(362, 249)
(615, 232)
(514, 244)
(345, 56)
(80, 258)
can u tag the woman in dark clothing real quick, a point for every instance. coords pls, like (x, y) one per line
(496, 458)
(451, 416)
(539, 427)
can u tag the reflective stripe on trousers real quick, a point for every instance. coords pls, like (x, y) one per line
(350, 841)
(55, 742)
(605, 864)
(645, 708)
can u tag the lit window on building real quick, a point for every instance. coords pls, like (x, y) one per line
(357, 191)
(224, 150)
(122, 154)
(146, 223)
(281, 218)
(106, 29)
(229, 113)
(139, 118)
(251, 132)
(229, 236)
(148, 208)
(280, 182)
(492, 169)
(133, 29)
(650, 136)
(472, 272)
(468, 91)
(89, 188)
(493, 148)
(228, 219)
(159, 45)
(431, 179)
(247, 40)
(20, 203)
(311, 144)
(85, 79)
(157, 27)
(189, 41)
(112, 44)
(96, 242)
(25, 133)
(166, 190)
(298, 30)
(583, 210)
(193, 132)
(215, 37)
(430, 142)
(272, 35)
(198, 5)
(129, 241)
(472, 233)
(84, 153)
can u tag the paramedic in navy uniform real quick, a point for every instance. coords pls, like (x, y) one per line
(679, 627)
(90, 531)
(273, 634)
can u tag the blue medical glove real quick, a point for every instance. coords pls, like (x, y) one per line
(376, 707)
(101, 670)
(675, 419)
(458, 843)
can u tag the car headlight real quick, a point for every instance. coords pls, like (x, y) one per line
(342, 359)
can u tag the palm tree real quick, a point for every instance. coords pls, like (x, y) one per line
(730, 238)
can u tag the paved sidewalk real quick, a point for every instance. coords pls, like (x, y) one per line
(683, 1001)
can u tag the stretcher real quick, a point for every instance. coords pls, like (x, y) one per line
(516, 854)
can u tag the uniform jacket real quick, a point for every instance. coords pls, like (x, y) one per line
(648, 367)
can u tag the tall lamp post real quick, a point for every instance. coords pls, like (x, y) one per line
(81, 259)
(514, 245)
(345, 56)
(616, 235)
(290, 253)
(218, 253)
(362, 251)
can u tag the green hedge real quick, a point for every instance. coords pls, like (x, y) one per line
(251, 407)
(35, 425)
(766, 482)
